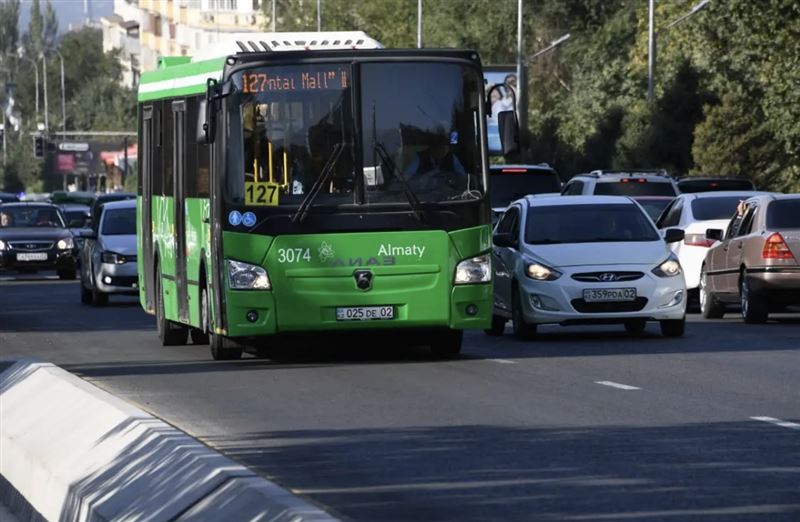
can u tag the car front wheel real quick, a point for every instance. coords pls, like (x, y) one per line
(710, 308)
(522, 330)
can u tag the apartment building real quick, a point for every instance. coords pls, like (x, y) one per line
(145, 30)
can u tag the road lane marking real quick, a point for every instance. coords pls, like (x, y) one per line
(778, 422)
(617, 385)
(503, 361)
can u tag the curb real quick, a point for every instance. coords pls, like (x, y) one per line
(71, 451)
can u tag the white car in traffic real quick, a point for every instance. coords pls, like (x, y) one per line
(584, 260)
(694, 214)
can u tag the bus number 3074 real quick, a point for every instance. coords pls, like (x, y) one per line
(294, 255)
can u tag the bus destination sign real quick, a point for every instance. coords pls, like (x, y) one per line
(295, 80)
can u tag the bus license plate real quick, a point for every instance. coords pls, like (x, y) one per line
(609, 295)
(39, 256)
(364, 313)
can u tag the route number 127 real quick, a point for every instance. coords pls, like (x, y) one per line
(261, 193)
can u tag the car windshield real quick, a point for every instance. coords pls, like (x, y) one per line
(715, 208)
(554, 224)
(35, 216)
(654, 207)
(296, 124)
(690, 185)
(119, 222)
(76, 215)
(783, 214)
(510, 186)
(634, 187)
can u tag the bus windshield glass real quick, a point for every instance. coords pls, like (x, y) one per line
(295, 126)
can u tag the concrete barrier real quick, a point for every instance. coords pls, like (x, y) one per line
(71, 451)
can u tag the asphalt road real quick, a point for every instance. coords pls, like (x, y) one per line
(583, 424)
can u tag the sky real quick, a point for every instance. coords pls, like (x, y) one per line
(69, 12)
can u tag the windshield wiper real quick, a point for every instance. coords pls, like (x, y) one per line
(413, 200)
(327, 170)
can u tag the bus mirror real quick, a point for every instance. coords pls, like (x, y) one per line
(203, 126)
(509, 132)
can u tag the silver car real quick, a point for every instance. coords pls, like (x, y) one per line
(108, 257)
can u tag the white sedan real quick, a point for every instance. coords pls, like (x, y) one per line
(584, 260)
(694, 214)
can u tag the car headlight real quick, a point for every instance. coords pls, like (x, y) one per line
(474, 270)
(244, 276)
(540, 272)
(65, 244)
(112, 258)
(2, 245)
(669, 268)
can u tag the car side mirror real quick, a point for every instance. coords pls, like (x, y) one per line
(504, 239)
(714, 234)
(673, 235)
(202, 133)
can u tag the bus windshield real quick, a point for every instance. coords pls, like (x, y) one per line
(418, 136)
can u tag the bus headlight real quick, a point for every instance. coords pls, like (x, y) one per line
(244, 276)
(474, 270)
(65, 244)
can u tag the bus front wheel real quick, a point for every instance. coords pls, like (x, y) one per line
(447, 344)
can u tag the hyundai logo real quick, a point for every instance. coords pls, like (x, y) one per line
(363, 279)
(607, 277)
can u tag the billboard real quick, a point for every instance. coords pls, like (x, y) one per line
(501, 99)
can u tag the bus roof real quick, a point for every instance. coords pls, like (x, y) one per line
(183, 75)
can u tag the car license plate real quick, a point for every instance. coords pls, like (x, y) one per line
(364, 313)
(609, 294)
(38, 256)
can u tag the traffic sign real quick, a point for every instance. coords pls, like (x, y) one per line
(73, 146)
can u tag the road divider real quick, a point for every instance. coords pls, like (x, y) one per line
(71, 451)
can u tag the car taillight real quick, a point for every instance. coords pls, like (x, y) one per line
(776, 248)
(699, 240)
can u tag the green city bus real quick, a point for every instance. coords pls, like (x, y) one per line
(313, 182)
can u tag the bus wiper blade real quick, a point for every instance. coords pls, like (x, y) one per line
(413, 200)
(327, 170)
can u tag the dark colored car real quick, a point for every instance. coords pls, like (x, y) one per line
(653, 205)
(709, 184)
(77, 218)
(5, 197)
(511, 182)
(34, 236)
(102, 199)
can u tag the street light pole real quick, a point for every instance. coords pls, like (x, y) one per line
(44, 72)
(520, 87)
(419, 24)
(652, 34)
(555, 43)
(651, 51)
(319, 15)
(274, 9)
(63, 96)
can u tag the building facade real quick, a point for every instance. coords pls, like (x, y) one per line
(146, 30)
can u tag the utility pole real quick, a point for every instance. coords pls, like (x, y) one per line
(419, 24)
(44, 71)
(651, 51)
(274, 9)
(63, 96)
(319, 15)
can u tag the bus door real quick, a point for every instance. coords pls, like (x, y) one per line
(147, 148)
(179, 197)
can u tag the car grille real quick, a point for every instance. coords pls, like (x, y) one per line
(600, 308)
(31, 246)
(124, 281)
(607, 277)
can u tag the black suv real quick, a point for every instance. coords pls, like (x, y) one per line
(34, 236)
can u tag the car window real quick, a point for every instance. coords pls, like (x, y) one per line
(574, 188)
(118, 222)
(555, 224)
(714, 208)
(783, 214)
(673, 216)
(507, 222)
(509, 186)
(35, 216)
(634, 187)
(747, 221)
(693, 185)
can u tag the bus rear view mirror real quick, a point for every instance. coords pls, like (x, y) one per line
(509, 132)
(202, 122)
